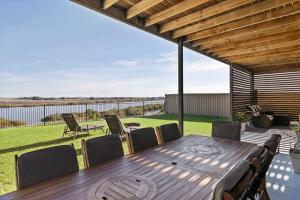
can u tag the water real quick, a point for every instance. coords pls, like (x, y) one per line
(32, 115)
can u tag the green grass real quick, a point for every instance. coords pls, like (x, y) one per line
(20, 140)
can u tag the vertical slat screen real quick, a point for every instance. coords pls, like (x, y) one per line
(241, 90)
(200, 104)
(279, 92)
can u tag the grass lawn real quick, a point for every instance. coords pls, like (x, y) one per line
(19, 140)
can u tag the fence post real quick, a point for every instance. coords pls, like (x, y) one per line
(86, 112)
(118, 107)
(44, 115)
(143, 108)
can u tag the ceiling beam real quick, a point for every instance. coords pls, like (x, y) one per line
(277, 38)
(248, 21)
(265, 59)
(108, 3)
(272, 52)
(275, 69)
(231, 16)
(250, 29)
(294, 26)
(266, 47)
(203, 14)
(141, 7)
(173, 10)
(286, 62)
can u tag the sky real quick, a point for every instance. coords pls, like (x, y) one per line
(55, 48)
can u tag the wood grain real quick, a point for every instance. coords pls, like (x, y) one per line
(176, 172)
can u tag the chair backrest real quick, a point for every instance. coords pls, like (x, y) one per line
(71, 122)
(40, 165)
(168, 132)
(141, 139)
(273, 143)
(226, 130)
(101, 149)
(234, 184)
(257, 152)
(114, 124)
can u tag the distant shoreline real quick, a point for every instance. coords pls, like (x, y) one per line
(38, 101)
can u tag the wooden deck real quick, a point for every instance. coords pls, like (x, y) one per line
(183, 169)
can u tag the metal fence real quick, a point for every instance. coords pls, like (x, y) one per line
(51, 114)
(200, 104)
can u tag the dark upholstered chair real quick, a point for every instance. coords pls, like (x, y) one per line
(40, 165)
(168, 132)
(258, 183)
(101, 149)
(234, 184)
(230, 130)
(273, 143)
(141, 139)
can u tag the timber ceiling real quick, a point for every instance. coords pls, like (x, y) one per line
(260, 36)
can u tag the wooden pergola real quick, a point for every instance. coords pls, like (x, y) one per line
(255, 37)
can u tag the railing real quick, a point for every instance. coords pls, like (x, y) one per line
(51, 114)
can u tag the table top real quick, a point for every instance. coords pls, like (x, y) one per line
(182, 169)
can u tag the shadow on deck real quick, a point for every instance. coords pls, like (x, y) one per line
(282, 182)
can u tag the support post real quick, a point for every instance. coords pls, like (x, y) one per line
(180, 85)
(253, 99)
(231, 92)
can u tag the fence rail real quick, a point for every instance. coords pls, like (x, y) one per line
(200, 104)
(51, 114)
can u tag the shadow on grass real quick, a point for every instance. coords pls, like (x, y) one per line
(189, 118)
(39, 144)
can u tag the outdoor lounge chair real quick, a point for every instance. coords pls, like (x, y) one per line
(44, 164)
(168, 132)
(230, 130)
(115, 126)
(73, 128)
(265, 119)
(101, 149)
(141, 139)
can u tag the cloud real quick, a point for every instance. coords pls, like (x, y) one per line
(10, 77)
(129, 64)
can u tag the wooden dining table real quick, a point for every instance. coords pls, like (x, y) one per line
(186, 168)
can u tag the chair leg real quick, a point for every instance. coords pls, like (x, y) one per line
(65, 130)
(265, 195)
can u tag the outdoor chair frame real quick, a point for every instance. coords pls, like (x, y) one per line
(73, 128)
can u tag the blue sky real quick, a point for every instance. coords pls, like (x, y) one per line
(57, 48)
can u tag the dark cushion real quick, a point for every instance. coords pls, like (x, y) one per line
(281, 120)
(226, 130)
(103, 148)
(44, 164)
(276, 137)
(272, 144)
(169, 132)
(143, 138)
(261, 121)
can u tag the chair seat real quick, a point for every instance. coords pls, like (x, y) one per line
(132, 124)
(90, 127)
